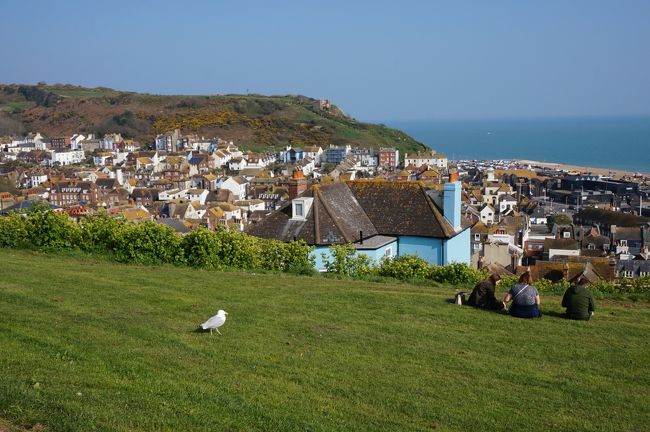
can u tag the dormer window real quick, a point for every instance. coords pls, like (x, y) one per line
(300, 207)
(591, 246)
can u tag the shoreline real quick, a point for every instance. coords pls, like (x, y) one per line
(608, 172)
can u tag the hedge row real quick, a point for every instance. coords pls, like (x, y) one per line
(150, 243)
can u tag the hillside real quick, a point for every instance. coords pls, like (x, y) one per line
(91, 345)
(254, 121)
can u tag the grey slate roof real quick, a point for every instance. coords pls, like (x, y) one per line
(341, 211)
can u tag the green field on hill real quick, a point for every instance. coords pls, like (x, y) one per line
(92, 345)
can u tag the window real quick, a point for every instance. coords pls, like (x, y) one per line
(389, 253)
(622, 242)
(644, 274)
(591, 246)
(566, 234)
(298, 210)
(477, 237)
(627, 273)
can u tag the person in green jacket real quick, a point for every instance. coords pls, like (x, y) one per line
(578, 301)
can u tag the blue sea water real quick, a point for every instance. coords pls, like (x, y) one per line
(612, 142)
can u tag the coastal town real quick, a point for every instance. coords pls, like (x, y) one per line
(506, 215)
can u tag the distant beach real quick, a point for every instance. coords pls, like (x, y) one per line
(613, 173)
(609, 143)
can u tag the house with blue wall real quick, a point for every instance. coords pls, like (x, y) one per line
(378, 218)
(291, 155)
(335, 154)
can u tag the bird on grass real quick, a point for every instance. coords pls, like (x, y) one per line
(214, 323)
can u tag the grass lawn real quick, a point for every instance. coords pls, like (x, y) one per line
(91, 345)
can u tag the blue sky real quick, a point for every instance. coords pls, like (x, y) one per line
(378, 60)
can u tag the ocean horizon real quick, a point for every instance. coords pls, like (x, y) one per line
(599, 142)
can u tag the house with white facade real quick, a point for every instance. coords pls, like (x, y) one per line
(238, 185)
(66, 157)
(75, 141)
(431, 159)
(487, 214)
(237, 164)
(507, 203)
(172, 194)
(199, 195)
(313, 152)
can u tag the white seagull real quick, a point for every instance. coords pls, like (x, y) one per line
(215, 322)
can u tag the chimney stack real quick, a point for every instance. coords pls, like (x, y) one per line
(452, 202)
(453, 175)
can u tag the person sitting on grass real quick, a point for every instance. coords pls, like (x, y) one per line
(578, 301)
(483, 295)
(525, 298)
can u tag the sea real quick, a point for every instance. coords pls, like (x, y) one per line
(602, 142)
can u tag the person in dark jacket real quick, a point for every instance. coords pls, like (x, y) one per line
(578, 301)
(483, 295)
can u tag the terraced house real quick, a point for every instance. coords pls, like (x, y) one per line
(72, 193)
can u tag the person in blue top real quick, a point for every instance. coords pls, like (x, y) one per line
(525, 298)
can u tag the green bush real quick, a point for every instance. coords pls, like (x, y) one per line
(345, 261)
(548, 286)
(277, 255)
(456, 274)
(149, 243)
(635, 286)
(237, 249)
(49, 230)
(13, 231)
(405, 267)
(201, 249)
(101, 233)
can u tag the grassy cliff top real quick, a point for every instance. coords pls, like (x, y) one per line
(92, 345)
(256, 122)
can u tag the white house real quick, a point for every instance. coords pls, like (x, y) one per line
(251, 205)
(507, 203)
(431, 159)
(75, 141)
(66, 157)
(237, 164)
(238, 185)
(36, 179)
(221, 158)
(199, 195)
(313, 152)
(307, 166)
(110, 140)
(231, 212)
(486, 214)
(102, 158)
(172, 194)
(440, 161)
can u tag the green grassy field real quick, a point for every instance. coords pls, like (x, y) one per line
(91, 345)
